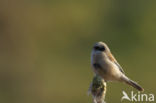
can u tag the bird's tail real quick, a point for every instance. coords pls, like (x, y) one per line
(132, 83)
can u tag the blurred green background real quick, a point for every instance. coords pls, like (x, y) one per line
(45, 47)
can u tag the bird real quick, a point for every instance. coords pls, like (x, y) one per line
(106, 66)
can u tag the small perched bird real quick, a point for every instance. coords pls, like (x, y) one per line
(98, 89)
(106, 66)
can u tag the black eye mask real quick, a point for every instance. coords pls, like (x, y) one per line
(102, 48)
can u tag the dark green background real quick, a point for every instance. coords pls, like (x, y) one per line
(45, 47)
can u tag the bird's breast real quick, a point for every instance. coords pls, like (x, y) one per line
(104, 67)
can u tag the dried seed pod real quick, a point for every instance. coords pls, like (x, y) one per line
(98, 89)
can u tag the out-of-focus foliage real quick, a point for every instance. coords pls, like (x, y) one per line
(45, 47)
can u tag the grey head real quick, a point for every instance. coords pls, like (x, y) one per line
(101, 46)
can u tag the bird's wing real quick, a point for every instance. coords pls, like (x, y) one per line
(120, 68)
(111, 57)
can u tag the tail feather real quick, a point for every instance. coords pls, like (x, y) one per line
(132, 83)
(135, 85)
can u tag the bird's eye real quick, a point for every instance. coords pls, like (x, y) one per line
(96, 48)
(102, 49)
(99, 48)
